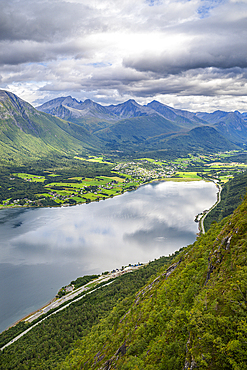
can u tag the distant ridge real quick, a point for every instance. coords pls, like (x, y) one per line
(65, 126)
(95, 117)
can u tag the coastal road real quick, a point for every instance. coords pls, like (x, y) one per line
(201, 222)
(69, 297)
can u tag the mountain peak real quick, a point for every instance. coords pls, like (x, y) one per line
(15, 102)
(131, 101)
(88, 101)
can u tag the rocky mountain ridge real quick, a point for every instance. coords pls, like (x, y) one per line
(232, 125)
(70, 126)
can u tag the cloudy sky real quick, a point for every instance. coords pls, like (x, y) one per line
(187, 54)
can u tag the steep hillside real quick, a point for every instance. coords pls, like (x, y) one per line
(192, 315)
(47, 344)
(232, 195)
(27, 134)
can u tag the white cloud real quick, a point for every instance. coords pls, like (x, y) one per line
(184, 52)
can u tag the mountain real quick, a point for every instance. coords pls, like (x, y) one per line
(26, 133)
(212, 117)
(205, 138)
(77, 112)
(180, 117)
(128, 127)
(133, 127)
(70, 107)
(198, 140)
(130, 109)
(190, 315)
(233, 127)
(244, 116)
(108, 122)
(88, 114)
(138, 132)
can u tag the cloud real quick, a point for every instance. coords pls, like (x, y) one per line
(45, 20)
(112, 50)
(217, 41)
(22, 52)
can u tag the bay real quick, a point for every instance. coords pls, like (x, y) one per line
(43, 249)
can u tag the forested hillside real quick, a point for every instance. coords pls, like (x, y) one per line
(181, 312)
(192, 315)
(232, 194)
(48, 344)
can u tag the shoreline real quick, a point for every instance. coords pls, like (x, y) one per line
(204, 215)
(164, 179)
(71, 297)
(53, 300)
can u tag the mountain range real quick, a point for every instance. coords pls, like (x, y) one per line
(65, 126)
(126, 121)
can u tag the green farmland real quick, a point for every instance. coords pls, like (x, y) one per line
(96, 178)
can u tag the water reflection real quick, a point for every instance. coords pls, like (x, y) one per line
(43, 249)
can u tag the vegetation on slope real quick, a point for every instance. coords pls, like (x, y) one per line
(48, 343)
(26, 134)
(193, 315)
(232, 195)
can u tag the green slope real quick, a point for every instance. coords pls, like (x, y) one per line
(201, 139)
(179, 312)
(136, 132)
(232, 195)
(26, 134)
(193, 314)
(48, 344)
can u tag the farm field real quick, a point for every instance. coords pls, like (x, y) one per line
(87, 182)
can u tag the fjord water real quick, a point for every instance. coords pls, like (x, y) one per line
(43, 249)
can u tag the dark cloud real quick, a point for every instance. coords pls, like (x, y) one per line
(30, 52)
(217, 41)
(45, 20)
(203, 53)
(111, 50)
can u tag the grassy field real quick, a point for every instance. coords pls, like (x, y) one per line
(189, 175)
(92, 158)
(93, 178)
(29, 177)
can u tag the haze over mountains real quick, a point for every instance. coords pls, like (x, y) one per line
(153, 126)
(131, 108)
(231, 124)
(65, 126)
